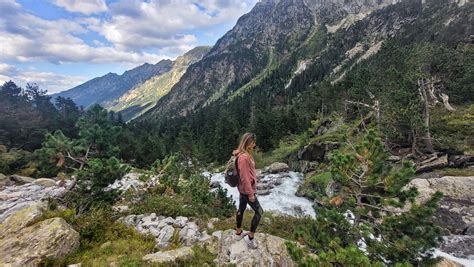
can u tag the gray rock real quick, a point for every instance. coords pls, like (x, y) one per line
(193, 226)
(169, 256)
(217, 234)
(154, 232)
(456, 209)
(188, 235)
(180, 221)
(461, 246)
(21, 219)
(469, 229)
(277, 167)
(165, 236)
(51, 238)
(271, 251)
(168, 220)
(148, 222)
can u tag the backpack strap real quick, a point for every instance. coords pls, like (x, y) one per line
(237, 164)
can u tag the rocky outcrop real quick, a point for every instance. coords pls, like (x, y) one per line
(21, 219)
(13, 198)
(25, 242)
(455, 213)
(164, 228)
(316, 151)
(271, 251)
(141, 98)
(454, 187)
(461, 246)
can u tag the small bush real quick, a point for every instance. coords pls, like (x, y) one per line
(193, 199)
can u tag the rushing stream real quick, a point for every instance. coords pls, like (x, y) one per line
(281, 197)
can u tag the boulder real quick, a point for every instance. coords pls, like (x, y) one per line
(456, 209)
(19, 180)
(277, 167)
(165, 236)
(21, 219)
(180, 221)
(270, 252)
(51, 238)
(461, 246)
(169, 256)
(45, 182)
(454, 187)
(316, 151)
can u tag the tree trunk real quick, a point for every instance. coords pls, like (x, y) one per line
(426, 115)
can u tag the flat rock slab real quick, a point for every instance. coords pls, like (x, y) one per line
(51, 238)
(21, 219)
(170, 255)
(271, 251)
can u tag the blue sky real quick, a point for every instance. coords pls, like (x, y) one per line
(59, 44)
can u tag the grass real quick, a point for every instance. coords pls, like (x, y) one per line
(285, 147)
(314, 186)
(277, 225)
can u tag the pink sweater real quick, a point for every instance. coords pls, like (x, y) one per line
(248, 177)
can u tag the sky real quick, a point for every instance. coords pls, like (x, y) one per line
(59, 44)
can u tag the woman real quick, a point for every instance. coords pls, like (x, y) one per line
(247, 188)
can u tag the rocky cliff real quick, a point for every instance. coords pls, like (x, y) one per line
(258, 42)
(144, 96)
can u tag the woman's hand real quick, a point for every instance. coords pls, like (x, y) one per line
(252, 198)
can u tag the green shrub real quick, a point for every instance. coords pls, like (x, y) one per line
(97, 175)
(192, 198)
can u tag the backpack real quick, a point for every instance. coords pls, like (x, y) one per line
(232, 176)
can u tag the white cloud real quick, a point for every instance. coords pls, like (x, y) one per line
(36, 39)
(52, 82)
(135, 24)
(87, 7)
(130, 33)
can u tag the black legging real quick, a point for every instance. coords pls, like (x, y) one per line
(244, 200)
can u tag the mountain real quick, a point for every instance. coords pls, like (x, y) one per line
(254, 47)
(111, 85)
(289, 62)
(144, 96)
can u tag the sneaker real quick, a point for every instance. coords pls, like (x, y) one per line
(252, 244)
(239, 237)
